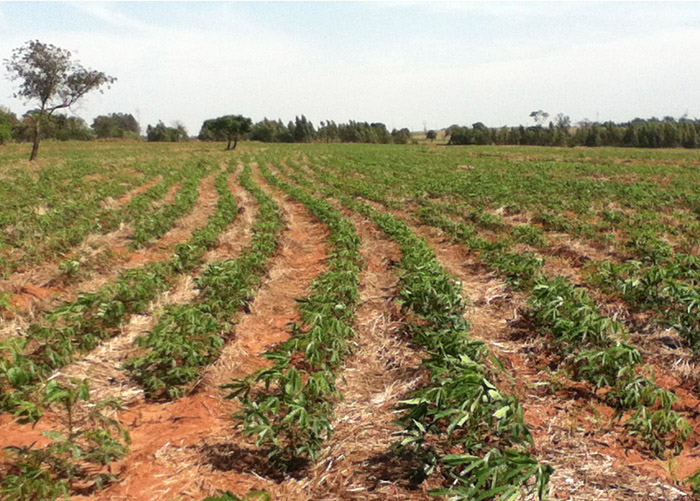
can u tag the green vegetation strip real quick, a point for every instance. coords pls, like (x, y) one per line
(459, 422)
(671, 291)
(72, 211)
(292, 413)
(190, 336)
(151, 227)
(566, 312)
(662, 282)
(79, 326)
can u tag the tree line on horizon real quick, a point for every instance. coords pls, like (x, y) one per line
(49, 78)
(62, 127)
(667, 132)
(302, 130)
(638, 133)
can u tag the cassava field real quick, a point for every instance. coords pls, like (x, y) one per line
(348, 322)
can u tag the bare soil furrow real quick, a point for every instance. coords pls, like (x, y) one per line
(239, 234)
(182, 229)
(384, 368)
(181, 450)
(36, 293)
(169, 197)
(131, 194)
(572, 428)
(103, 365)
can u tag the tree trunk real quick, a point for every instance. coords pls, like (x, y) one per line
(228, 146)
(37, 132)
(235, 142)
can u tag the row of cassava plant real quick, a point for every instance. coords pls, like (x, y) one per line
(79, 326)
(35, 236)
(86, 437)
(459, 422)
(671, 292)
(663, 282)
(152, 226)
(661, 428)
(571, 316)
(190, 336)
(78, 265)
(291, 413)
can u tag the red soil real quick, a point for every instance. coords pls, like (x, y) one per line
(167, 459)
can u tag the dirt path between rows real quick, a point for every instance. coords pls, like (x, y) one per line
(39, 298)
(127, 197)
(384, 368)
(102, 366)
(593, 456)
(181, 450)
(355, 464)
(35, 284)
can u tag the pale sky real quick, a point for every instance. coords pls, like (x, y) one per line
(407, 64)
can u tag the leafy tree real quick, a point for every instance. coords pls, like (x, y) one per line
(57, 126)
(431, 135)
(451, 128)
(65, 128)
(328, 132)
(116, 125)
(380, 133)
(562, 121)
(270, 131)
(7, 121)
(228, 128)
(539, 116)
(48, 76)
(304, 131)
(402, 136)
(161, 132)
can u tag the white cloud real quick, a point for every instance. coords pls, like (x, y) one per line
(228, 62)
(172, 74)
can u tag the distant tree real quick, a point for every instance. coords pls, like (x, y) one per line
(231, 128)
(380, 133)
(7, 121)
(116, 125)
(402, 136)
(23, 130)
(562, 121)
(49, 76)
(180, 129)
(268, 131)
(304, 131)
(461, 135)
(58, 126)
(228, 128)
(449, 130)
(539, 116)
(431, 135)
(161, 132)
(481, 133)
(65, 128)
